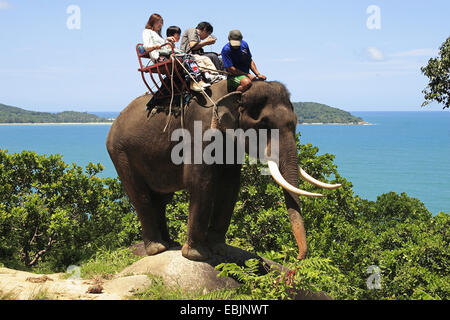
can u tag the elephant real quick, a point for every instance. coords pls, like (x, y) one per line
(140, 148)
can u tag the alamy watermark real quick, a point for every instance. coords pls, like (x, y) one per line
(374, 20)
(228, 148)
(74, 271)
(73, 22)
(374, 280)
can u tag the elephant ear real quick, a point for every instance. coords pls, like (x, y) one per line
(227, 105)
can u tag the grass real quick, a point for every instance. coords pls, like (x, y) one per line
(105, 264)
(158, 290)
(42, 294)
(8, 295)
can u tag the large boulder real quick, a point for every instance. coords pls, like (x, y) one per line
(171, 266)
(191, 275)
(202, 277)
(175, 270)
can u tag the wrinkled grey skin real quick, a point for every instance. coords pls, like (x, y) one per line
(141, 153)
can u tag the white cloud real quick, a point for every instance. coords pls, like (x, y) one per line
(4, 5)
(375, 54)
(417, 53)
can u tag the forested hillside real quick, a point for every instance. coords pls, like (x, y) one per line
(312, 112)
(10, 114)
(307, 112)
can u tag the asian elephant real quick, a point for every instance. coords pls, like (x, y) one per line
(139, 144)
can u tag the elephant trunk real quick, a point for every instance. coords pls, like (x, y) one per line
(287, 177)
(289, 171)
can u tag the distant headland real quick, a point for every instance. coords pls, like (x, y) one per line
(317, 113)
(14, 115)
(307, 113)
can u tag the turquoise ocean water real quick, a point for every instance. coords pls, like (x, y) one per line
(401, 152)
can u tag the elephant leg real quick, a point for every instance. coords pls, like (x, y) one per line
(149, 206)
(202, 192)
(225, 199)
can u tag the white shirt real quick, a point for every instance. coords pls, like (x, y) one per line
(150, 39)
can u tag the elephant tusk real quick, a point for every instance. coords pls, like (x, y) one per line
(315, 182)
(276, 175)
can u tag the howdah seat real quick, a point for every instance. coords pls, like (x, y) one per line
(160, 74)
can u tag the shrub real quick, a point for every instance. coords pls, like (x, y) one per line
(54, 215)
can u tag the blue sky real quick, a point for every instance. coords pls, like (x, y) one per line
(323, 51)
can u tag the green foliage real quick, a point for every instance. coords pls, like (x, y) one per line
(54, 215)
(313, 275)
(253, 285)
(312, 112)
(177, 216)
(158, 290)
(438, 72)
(10, 114)
(396, 233)
(42, 294)
(260, 221)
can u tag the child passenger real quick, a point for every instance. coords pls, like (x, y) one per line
(153, 42)
(204, 62)
(173, 34)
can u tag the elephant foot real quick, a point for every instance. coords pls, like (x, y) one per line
(154, 247)
(220, 248)
(197, 253)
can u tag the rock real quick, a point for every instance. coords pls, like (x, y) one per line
(138, 249)
(42, 279)
(175, 270)
(230, 254)
(201, 277)
(127, 285)
(171, 266)
(96, 289)
(19, 285)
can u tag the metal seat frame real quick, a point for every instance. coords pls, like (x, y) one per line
(163, 70)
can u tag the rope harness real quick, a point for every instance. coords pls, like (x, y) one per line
(171, 96)
(215, 116)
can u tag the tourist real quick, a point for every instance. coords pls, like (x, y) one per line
(152, 39)
(153, 43)
(194, 39)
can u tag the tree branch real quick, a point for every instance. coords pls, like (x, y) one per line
(38, 255)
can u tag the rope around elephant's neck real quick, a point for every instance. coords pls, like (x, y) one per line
(172, 94)
(215, 113)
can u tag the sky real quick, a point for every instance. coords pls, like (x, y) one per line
(356, 55)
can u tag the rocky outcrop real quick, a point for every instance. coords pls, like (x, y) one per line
(171, 266)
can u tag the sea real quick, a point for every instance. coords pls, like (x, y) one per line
(399, 151)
